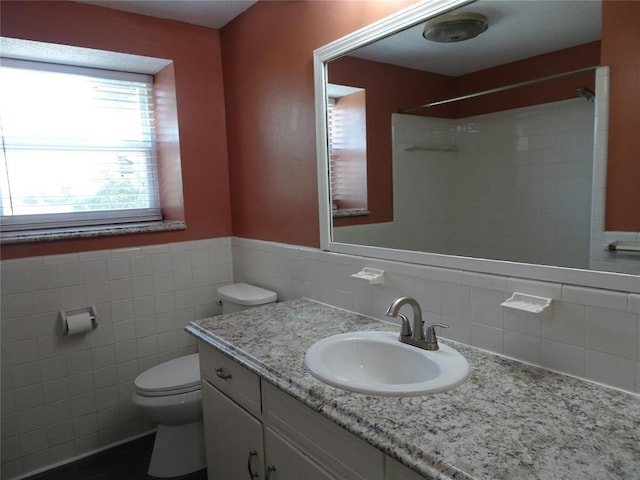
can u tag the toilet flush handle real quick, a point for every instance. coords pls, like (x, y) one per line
(222, 374)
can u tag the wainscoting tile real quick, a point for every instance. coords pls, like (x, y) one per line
(612, 332)
(566, 324)
(531, 287)
(594, 297)
(487, 337)
(523, 347)
(611, 370)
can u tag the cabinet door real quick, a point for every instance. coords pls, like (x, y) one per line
(289, 462)
(394, 470)
(338, 451)
(233, 438)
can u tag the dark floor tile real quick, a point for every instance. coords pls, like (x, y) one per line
(128, 461)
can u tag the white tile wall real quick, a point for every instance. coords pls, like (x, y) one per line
(65, 396)
(589, 333)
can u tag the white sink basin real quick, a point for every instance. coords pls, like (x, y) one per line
(376, 363)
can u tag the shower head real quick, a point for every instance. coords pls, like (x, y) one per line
(586, 93)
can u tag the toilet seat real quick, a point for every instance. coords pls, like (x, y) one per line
(177, 376)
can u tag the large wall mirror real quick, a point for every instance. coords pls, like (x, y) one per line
(487, 154)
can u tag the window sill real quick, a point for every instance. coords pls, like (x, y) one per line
(9, 238)
(351, 212)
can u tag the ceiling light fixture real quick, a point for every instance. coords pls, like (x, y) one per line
(455, 27)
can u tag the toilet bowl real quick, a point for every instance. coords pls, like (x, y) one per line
(169, 394)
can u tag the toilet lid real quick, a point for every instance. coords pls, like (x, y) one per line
(245, 294)
(180, 375)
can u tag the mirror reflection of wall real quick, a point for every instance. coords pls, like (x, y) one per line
(515, 179)
(512, 185)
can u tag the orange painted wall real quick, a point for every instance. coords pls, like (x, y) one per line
(267, 59)
(196, 54)
(621, 51)
(566, 60)
(168, 142)
(400, 87)
(268, 78)
(268, 91)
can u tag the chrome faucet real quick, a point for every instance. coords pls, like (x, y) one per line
(417, 331)
(414, 335)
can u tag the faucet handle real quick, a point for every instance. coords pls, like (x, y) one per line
(405, 330)
(432, 339)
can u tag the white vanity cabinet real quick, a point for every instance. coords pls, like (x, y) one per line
(233, 438)
(235, 443)
(254, 431)
(339, 452)
(286, 462)
(394, 470)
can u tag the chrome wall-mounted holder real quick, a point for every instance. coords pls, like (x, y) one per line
(90, 310)
(626, 247)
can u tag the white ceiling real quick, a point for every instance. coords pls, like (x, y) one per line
(517, 29)
(207, 13)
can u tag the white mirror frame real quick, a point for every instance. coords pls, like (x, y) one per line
(382, 28)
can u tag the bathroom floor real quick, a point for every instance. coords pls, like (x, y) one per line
(124, 462)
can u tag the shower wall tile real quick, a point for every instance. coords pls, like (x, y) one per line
(527, 172)
(65, 396)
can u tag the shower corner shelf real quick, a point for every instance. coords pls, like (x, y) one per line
(430, 148)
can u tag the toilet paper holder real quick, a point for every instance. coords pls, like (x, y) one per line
(91, 310)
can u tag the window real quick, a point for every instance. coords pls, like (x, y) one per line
(78, 147)
(348, 151)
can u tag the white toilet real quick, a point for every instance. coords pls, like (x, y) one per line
(169, 395)
(241, 296)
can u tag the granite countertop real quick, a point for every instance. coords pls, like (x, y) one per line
(509, 420)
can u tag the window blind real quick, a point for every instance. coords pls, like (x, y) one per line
(338, 168)
(347, 158)
(78, 146)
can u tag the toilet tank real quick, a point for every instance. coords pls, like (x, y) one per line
(242, 296)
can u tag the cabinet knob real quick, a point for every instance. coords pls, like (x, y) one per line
(269, 470)
(252, 454)
(222, 374)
